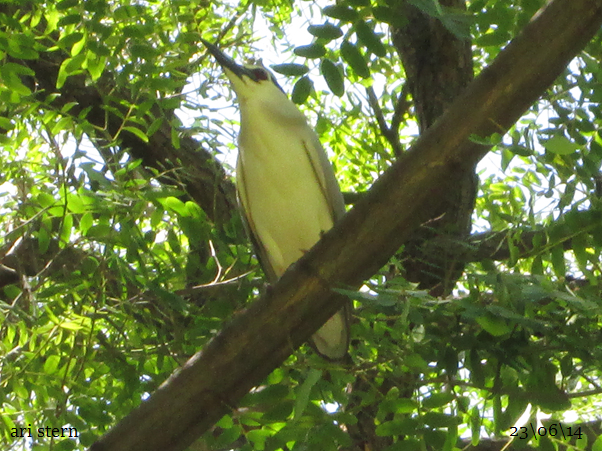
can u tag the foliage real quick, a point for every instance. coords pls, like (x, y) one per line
(124, 275)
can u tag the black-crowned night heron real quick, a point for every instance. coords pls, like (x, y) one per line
(286, 185)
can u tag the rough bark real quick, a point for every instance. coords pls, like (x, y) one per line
(438, 66)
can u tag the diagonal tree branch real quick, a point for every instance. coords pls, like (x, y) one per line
(258, 340)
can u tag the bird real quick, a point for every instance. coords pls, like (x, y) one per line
(286, 185)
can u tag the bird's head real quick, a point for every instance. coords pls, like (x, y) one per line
(247, 80)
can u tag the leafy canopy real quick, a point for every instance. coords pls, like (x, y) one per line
(124, 272)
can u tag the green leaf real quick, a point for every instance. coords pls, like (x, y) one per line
(304, 392)
(134, 31)
(405, 426)
(494, 325)
(407, 444)
(280, 411)
(463, 403)
(268, 395)
(170, 298)
(581, 442)
(228, 436)
(258, 437)
(226, 422)
(429, 7)
(560, 145)
(128, 12)
(51, 364)
(518, 402)
(175, 137)
(457, 24)
(597, 445)
(43, 239)
(99, 48)
(75, 64)
(68, 67)
(537, 265)
(558, 261)
(566, 365)
(69, 40)
(495, 38)
(175, 204)
(325, 31)
(398, 405)
(89, 265)
(6, 123)
(65, 230)
(439, 420)
(11, 74)
(388, 15)
(521, 150)
(341, 12)
(579, 244)
(507, 156)
(75, 204)
(66, 4)
(290, 69)
(352, 56)
(310, 51)
(174, 242)
(475, 426)
(136, 131)
(143, 51)
(71, 326)
(357, 3)
(95, 65)
(194, 211)
(333, 77)
(388, 428)
(437, 400)
(301, 90)
(368, 37)
(71, 19)
(45, 200)
(156, 125)
(451, 438)
(21, 47)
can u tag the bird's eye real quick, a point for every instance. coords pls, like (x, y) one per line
(260, 74)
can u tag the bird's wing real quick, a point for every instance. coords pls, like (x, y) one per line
(324, 174)
(249, 223)
(332, 339)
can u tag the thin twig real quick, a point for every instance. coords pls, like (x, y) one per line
(401, 108)
(390, 134)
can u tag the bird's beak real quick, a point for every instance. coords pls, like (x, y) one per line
(226, 62)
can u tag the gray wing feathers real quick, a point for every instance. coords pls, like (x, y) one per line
(333, 348)
(325, 175)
